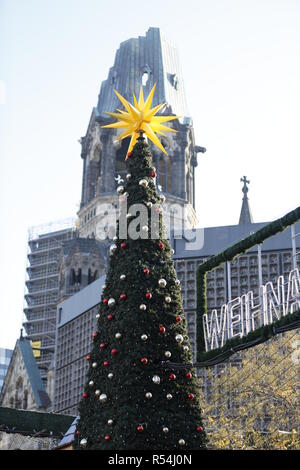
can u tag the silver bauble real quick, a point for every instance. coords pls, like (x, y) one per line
(162, 198)
(115, 238)
(128, 176)
(156, 379)
(179, 338)
(118, 335)
(162, 283)
(148, 395)
(169, 396)
(172, 252)
(149, 204)
(144, 337)
(145, 228)
(103, 397)
(177, 282)
(143, 307)
(143, 183)
(97, 316)
(128, 215)
(181, 442)
(110, 422)
(97, 393)
(94, 365)
(110, 375)
(112, 248)
(122, 277)
(185, 348)
(165, 429)
(168, 354)
(168, 299)
(83, 443)
(111, 303)
(120, 189)
(91, 383)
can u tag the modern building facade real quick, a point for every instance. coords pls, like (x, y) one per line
(76, 321)
(5, 357)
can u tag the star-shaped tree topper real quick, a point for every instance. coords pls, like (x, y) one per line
(140, 118)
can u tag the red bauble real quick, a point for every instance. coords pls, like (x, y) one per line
(123, 296)
(172, 376)
(144, 360)
(148, 295)
(88, 357)
(129, 154)
(123, 245)
(162, 329)
(146, 271)
(95, 334)
(140, 428)
(110, 317)
(157, 210)
(178, 319)
(107, 437)
(199, 428)
(102, 345)
(114, 352)
(77, 433)
(153, 174)
(105, 301)
(84, 395)
(106, 363)
(191, 396)
(188, 375)
(160, 245)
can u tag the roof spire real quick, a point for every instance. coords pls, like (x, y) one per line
(246, 216)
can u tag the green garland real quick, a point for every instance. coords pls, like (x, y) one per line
(228, 255)
(31, 422)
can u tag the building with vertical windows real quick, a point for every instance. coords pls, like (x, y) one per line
(76, 321)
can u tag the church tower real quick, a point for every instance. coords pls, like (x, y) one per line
(139, 61)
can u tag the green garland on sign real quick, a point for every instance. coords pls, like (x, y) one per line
(29, 423)
(228, 255)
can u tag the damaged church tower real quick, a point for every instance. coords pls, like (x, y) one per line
(145, 60)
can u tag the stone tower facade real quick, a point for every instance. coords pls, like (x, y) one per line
(139, 61)
(82, 261)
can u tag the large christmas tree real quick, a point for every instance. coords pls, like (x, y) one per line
(131, 399)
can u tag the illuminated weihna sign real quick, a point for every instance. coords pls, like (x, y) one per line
(244, 314)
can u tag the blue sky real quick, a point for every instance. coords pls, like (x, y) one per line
(241, 69)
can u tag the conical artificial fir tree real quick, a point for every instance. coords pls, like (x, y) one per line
(131, 399)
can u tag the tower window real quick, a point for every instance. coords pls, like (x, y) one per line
(75, 277)
(25, 400)
(145, 78)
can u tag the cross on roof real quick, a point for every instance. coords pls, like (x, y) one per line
(245, 188)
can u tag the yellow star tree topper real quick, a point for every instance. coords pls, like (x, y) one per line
(140, 118)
